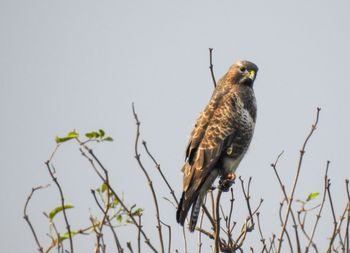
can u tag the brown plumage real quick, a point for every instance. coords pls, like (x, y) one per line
(220, 138)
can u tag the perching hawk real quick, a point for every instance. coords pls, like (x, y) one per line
(220, 138)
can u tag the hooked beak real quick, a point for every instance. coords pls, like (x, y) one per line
(251, 75)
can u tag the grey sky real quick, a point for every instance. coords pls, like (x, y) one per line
(80, 64)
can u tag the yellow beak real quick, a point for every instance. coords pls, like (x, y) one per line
(251, 75)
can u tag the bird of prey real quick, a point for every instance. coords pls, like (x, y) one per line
(220, 138)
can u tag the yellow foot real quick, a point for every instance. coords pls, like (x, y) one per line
(227, 181)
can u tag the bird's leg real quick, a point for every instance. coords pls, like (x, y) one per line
(226, 181)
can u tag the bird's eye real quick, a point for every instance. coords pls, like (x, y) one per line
(242, 69)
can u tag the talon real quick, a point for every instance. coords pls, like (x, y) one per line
(231, 176)
(226, 182)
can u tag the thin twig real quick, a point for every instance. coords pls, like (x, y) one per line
(54, 179)
(200, 227)
(169, 231)
(281, 220)
(335, 223)
(139, 235)
(185, 238)
(211, 66)
(116, 239)
(26, 217)
(247, 199)
(290, 200)
(125, 208)
(318, 216)
(209, 216)
(262, 239)
(229, 227)
(104, 211)
(346, 236)
(172, 192)
(128, 245)
(150, 183)
(217, 224)
(283, 188)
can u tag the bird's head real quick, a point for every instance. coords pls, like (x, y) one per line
(242, 73)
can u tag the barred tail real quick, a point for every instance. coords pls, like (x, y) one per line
(195, 201)
(196, 207)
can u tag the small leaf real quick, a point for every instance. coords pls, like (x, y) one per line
(58, 209)
(115, 202)
(312, 196)
(62, 139)
(70, 135)
(65, 236)
(73, 134)
(137, 212)
(119, 218)
(102, 133)
(89, 135)
(102, 188)
(129, 221)
(109, 138)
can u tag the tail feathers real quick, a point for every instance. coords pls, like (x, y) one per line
(185, 204)
(180, 213)
(195, 213)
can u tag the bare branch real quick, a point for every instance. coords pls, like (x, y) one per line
(200, 227)
(335, 223)
(169, 229)
(128, 245)
(209, 216)
(290, 200)
(318, 216)
(26, 217)
(116, 239)
(172, 192)
(217, 224)
(346, 236)
(184, 237)
(262, 239)
(54, 179)
(125, 208)
(211, 66)
(150, 183)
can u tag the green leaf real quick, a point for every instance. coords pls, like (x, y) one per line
(119, 218)
(102, 188)
(115, 202)
(65, 236)
(62, 139)
(89, 135)
(129, 221)
(137, 212)
(73, 134)
(58, 209)
(102, 133)
(312, 196)
(109, 138)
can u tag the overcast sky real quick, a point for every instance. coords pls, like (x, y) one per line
(80, 64)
